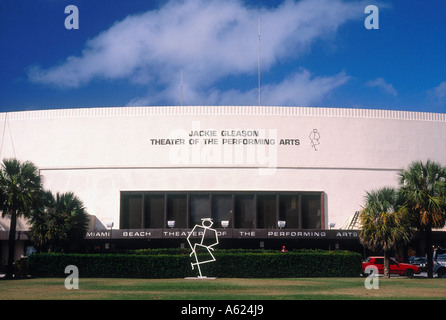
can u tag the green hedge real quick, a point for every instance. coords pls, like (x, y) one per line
(229, 264)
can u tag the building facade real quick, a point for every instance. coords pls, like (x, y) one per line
(265, 175)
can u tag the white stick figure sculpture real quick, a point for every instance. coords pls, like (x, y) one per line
(207, 234)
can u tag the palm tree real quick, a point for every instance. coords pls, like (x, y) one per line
(385, 223)
(60, 221)
(424, 187)
(20, 189)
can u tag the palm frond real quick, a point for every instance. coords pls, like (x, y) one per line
(385, 221)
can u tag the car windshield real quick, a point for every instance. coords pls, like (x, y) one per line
(418, 259)
(441, 254)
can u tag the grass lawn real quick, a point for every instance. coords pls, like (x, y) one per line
(223, 289)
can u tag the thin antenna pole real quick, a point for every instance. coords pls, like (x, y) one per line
(12, 142)
(258, 64)
(181, 89)
(4, 130)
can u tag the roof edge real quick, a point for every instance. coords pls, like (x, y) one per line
(224, 111)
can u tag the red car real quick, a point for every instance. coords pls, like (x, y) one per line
(402, 269)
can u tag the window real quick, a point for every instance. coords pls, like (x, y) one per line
(221, 209)
(289, 211)
(244, 209)
(266, 211)
(177, 210)
(311, 211)
(199, 209)
(379, 260)
(154, 211)
(131, 217)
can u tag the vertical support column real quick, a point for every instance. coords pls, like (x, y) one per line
(254, 212)
(188, 210)
(232, 218)
(299, 211)
(277, 210)
(216, 223)
(323, 210)
(165, 211)
(143, 216)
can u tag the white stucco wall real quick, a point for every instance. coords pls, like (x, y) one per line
(99, 152)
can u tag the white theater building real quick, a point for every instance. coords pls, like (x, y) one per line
(265, 175)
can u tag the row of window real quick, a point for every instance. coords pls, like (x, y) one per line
(152, 210)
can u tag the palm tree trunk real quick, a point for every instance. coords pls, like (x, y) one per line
(386, 264)
(11, 246)
(428, 250)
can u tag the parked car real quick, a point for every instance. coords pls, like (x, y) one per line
(439, 262)
(439, 259)
(420, 262)
(403, 269)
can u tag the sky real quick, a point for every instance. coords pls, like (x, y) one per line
(317, 53)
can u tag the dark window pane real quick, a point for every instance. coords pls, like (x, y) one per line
(177, 210)
(311, 211)
(131, 216)
(221, 209)
(266, 211)
(379, 260)
(199, 209)
(289, 211)
(244, 209)
(124, 216)
(154, 211)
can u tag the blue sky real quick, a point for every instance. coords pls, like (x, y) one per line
(135, 53)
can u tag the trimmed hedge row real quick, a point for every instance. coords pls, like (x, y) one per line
(231, 264)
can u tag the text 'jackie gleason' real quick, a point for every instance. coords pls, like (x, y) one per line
(224, 133)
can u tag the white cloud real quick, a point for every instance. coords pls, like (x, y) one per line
(437, 95)
(301, 89)
(209, 40)
(440, 91)
(381, 83)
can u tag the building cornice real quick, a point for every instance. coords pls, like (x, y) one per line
(224, 111)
